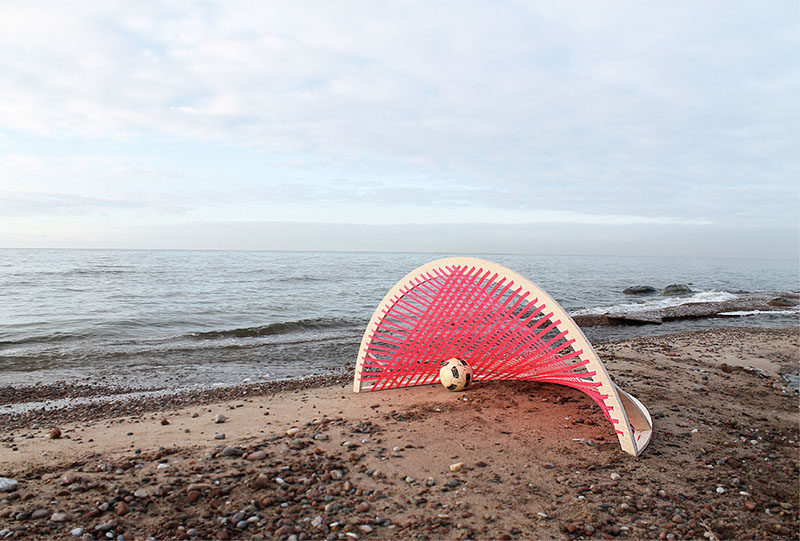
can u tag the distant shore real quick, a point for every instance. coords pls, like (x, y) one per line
(311, 459)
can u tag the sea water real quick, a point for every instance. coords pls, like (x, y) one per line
(173, 319)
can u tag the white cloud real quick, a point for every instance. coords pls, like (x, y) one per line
(677, 112)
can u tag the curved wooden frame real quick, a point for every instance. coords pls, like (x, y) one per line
(584, 371)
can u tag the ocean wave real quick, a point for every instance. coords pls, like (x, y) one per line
(739, 313)
(657, 304)
(282, 327)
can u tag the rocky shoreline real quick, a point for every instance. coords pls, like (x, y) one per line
(504, 460)
(691, 310)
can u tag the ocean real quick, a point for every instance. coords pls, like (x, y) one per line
(171, 319)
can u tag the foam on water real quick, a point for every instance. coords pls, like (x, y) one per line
(657, 303)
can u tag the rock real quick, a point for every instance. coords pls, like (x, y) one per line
(262, 481)
(106, 526)
(456, 466)
(721, 490)
(192, 496)
(676, 518)
(257, 455)
(219, 436)
(164, 421)
(336, 475)
(121, 508)
(231, 452)
(782, 302)
(588, 529)
(638, 290)
(676, 289)
(317, 522)
(76, 532)
(219, 418)
(7, 485)
(141, 493)
(39, 513)
(365, 528)
(292, 432)
(55, 433)
(615, 476)
(750, 506)
(58, 517)
(242, 524)
(363, 507)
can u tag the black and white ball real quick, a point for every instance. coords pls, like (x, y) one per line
(455, 374)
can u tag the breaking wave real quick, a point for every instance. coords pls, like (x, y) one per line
(657, 304)
(283, 327)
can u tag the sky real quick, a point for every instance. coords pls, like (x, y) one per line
(625, 128)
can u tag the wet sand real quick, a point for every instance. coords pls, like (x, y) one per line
(313, 460)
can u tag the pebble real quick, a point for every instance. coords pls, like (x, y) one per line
(231, 451)
(141, 493)
(219, 418)
(317, 522)
(320, 437)
(76, 532)
(292, 432)
(409, 479)
(219, 436)
(456, 466)
(7, 485)
(58, 517)
(257, 455)
(106, 526)
(55, 433)
(336, 475)
(122, 508)
(396, 449)
(365, 528)
(750, 506)
(39, 513)
(163, 466)
(242, 524)
(164, 421)
(615, 476)
(363, 507)
(721, 490)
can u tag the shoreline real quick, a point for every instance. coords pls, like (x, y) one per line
(312, 459)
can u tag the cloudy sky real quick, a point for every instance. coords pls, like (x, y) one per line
(545, 127)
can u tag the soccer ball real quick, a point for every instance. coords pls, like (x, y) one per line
(455, 374)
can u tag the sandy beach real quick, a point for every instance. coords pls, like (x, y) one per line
(312, 460)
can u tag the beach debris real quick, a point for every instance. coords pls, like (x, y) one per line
(55, 433)
(615, 476)
(219, 418)
(7, 485)
(456, 466)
